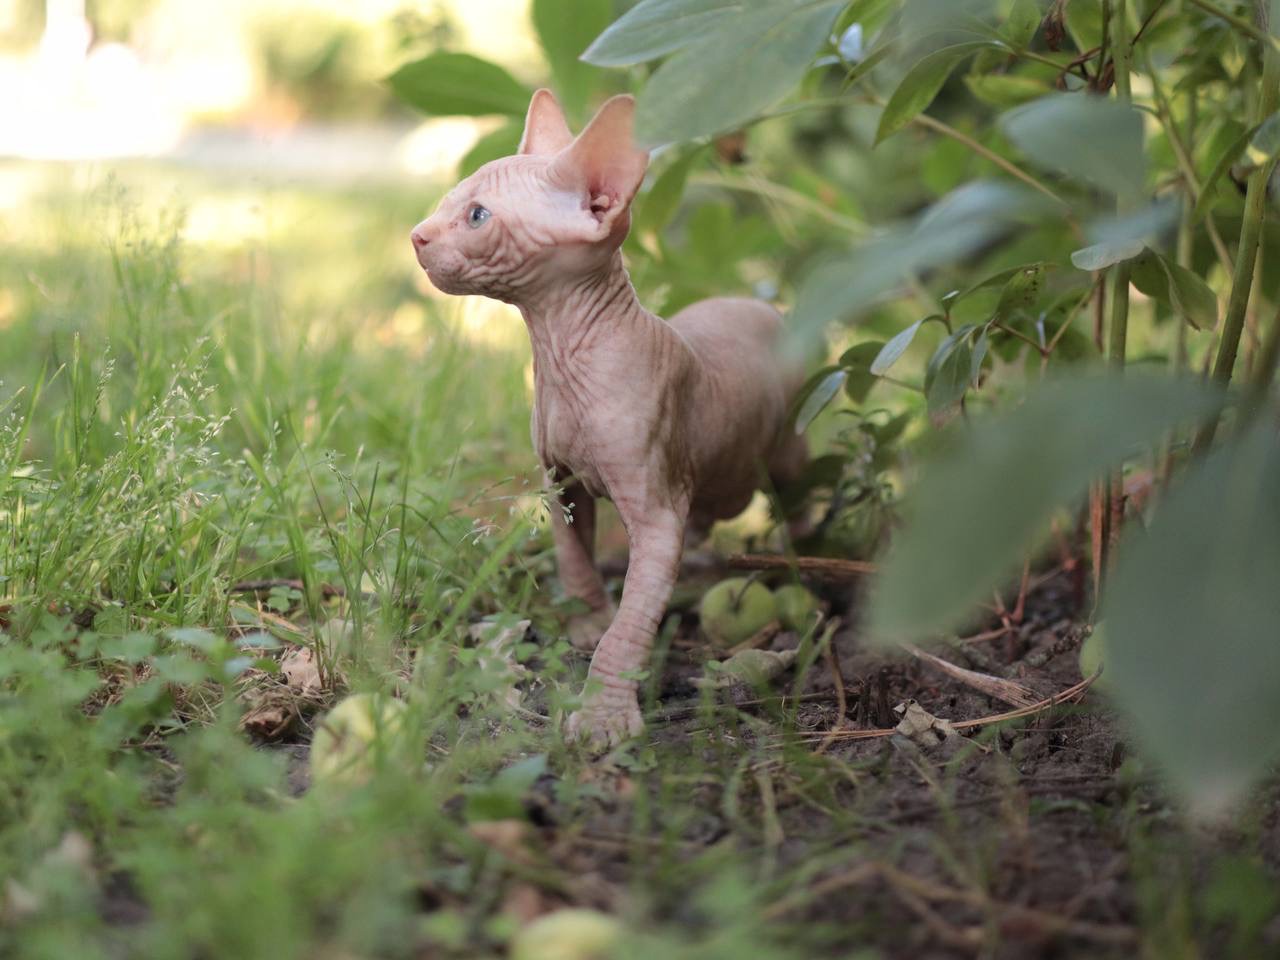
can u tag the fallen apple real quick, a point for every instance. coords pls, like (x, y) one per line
(358, 737)
(574, 934)
(736, 609)
(797, 607)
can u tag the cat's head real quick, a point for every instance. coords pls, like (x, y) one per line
(553, 213)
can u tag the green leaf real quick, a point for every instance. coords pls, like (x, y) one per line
(235, 666)
(196, 637)
(752, 61)
(957, 224)
(821, 394)
(1191, 612)
(1090, 139)
(869, 62)
(566, 28)
(654, 28)
(892, 351)
(659, 205)
(1140, 224)
(179, 669)
(1102, 255)
(980, 507)
(949, 371)
(921, 85)
(459, 85)
(1175, 285)
(857, 362)
(1220, 167)
(502, 142)
(1147, 273)
(1021, 292)
(1005, 89)
(980, 348)
(1265, 143)
(1191, 296)
(131, 647)
(998, 278)
(1020, 26)
(502, 798)
(520, 776)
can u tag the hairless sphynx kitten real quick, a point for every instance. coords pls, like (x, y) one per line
(671, 420)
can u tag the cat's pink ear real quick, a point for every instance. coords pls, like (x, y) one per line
(604, 163)
(545, 130)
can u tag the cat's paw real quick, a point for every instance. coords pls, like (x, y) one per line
(586, 629)
(607, 719)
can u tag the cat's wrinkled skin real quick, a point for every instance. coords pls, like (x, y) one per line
(672, 421)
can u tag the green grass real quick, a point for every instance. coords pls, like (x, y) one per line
(182, 417)
(275, 398)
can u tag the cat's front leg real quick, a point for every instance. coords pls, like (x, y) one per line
(610, 710)
(573, 528)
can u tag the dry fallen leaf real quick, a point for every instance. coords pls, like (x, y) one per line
(1011, 692)
(754, 667)
(497, 644)
(300, 670)
(920, 726)
(269, 720)
(524, 903)
(511, 838)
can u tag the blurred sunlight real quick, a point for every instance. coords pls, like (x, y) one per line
(291, 86)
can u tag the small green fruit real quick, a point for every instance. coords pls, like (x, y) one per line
(357, 737)
(1093, 654)
(568, 935)
(797, 607)
(736, 609)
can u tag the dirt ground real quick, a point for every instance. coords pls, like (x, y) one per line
(1035, 837)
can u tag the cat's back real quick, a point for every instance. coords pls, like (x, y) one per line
(734, 330)
(729, 318)
(737, 336)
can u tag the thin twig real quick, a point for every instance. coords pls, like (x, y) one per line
(1070, 695)
(822, 566)
(1240, 23)
(1043, 351)
(1011, 692)
(924, 120)
(842, 701)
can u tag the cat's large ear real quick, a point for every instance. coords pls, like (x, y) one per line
(545, 130)
(604, 163)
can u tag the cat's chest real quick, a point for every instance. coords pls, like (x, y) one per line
(579, 433)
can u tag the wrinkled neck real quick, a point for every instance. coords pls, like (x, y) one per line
(566, 319)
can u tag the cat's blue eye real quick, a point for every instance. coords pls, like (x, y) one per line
(477, 215)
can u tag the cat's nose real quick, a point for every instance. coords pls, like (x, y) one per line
(419, 237)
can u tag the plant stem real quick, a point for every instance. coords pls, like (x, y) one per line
(1185, 246)
(1182, 155)
(1186, 233)
(938, 126)
(781, 194)
(1118, 333)
(1038, 347)
(1250, 231)
(1240, 23)
(1264, 369)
